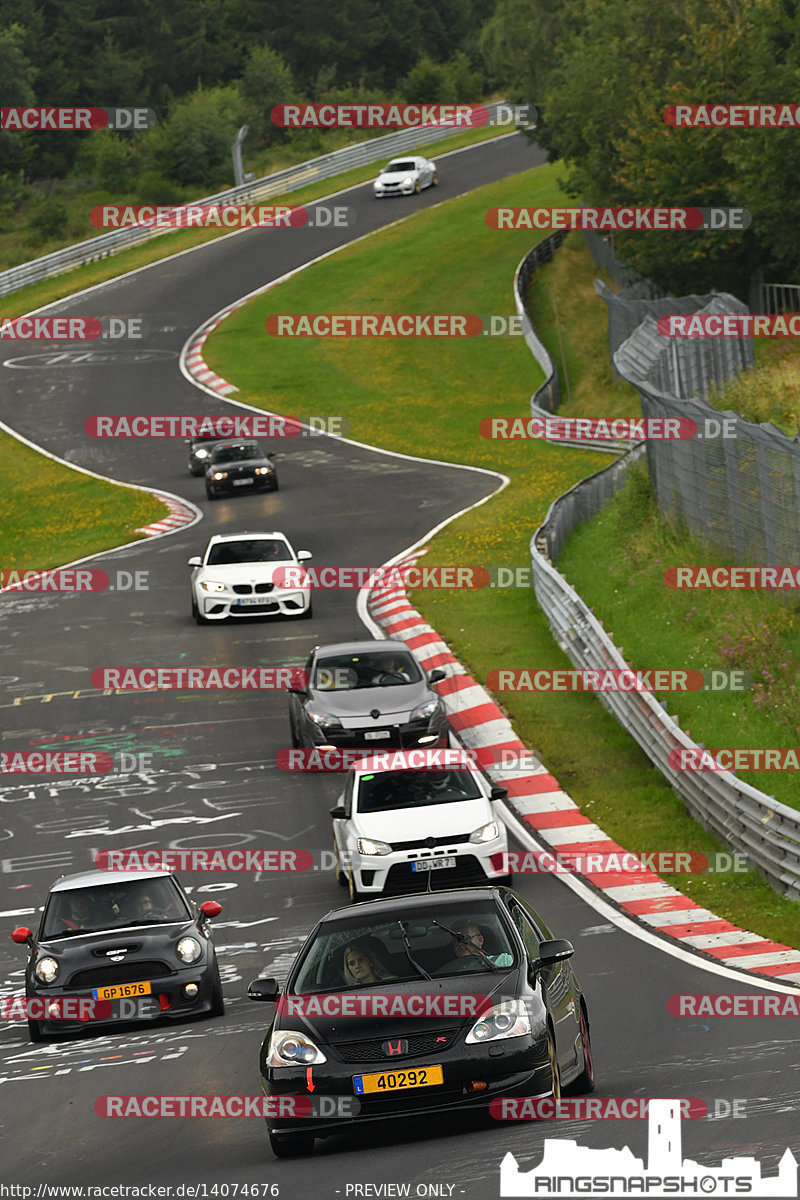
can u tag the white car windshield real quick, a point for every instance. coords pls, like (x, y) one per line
(402, 165)
(261, 550)
(385, 791)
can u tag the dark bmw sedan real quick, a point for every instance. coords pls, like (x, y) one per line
(239, 466)
(131, 941)
(417, 1006)
(367, 694)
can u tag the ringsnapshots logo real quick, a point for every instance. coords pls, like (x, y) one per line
(285, 1107)
(402, 116)
(185, 679)
(620, 219)
(732, 116)
(75, 120)
(222, 216)
(589, 679)
(401, 325)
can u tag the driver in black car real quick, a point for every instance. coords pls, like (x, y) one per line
(468, 949)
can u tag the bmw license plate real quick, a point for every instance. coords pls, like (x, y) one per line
(374, 734)
(433, 864)
(247, 601)
(242, 482)
(395, 1081)
(122, 990)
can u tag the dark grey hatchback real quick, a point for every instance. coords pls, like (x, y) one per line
(130, 941)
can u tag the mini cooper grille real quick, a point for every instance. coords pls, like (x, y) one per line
(418, 1043)
(126, 972)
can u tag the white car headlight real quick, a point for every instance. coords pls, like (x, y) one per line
(509, 1019)
(220, 475)
(424, 710)
(46, 970)
(188, 949)
(290, 1049)
(212, 585)
(371, 846)
(486, 833)
(323, 719)
(408, 182)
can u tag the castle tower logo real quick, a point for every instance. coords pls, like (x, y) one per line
(568, 1169)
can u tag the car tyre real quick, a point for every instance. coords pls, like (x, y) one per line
(291, 1145)
(435, 180)
(293, 735)
(352, 890)
(217, 999)
(555, 1074)
(199, 619)
(341, 876)
(35, 1031)
(585, 1082)
(211, 495)
(417, 188)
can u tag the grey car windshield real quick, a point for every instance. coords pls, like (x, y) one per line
(260, 550)
(329, 962)
(113, 906)
(344, 672)
(388, 790)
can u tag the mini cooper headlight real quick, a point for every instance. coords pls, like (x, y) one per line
(46, 970)
(188, 949)
(509, 1019)
(212, 585)
(424, 710)
(486, 833)
(371, 846)
(287, 1048)
(323, 719)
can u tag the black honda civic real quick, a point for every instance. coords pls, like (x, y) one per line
(420, 1005)
(127, 945)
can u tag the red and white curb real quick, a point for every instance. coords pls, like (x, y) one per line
(196, 364)
(555, 822)
(180, 514)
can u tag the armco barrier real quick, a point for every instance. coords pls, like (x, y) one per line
(288, 180)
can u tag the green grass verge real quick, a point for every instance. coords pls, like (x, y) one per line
(55, 515)
(445, 261)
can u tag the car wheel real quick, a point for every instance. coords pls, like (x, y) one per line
(274, 487)
(35, 1031)
(341, 877)
(435, 180)
(211, 495)
(291, 1145)
(199, 619)
(293, 735)
(555, 1074)
(217, 999)
(417, 188)
(585, 1081)
(352, 890)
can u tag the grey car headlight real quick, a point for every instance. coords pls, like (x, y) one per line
(46, 970)
(509, 1019)
(424, 710)
(323, 719)
(188, 949)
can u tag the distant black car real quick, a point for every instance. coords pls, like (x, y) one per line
(440, 950)
(131, 938)
(237, 466)
(367, 694)
(199, 450)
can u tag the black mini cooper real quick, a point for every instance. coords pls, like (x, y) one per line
(131, 942)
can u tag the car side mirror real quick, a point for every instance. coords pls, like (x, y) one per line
(552, 951)
(22, 936)
(436, 676)
(298, 691)
(195, 561)
(264, 989)
(304, 555)
(270, 454)
(210, 908)
(339, 813)
(498, 793)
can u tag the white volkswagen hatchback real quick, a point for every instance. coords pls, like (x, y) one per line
(406, 830)
(241, 575)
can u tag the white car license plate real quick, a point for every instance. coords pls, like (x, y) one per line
(433, 864)
(242, 482)
(374, 734)
(246, 601)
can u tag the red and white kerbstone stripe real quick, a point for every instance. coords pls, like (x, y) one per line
(196, 364)
(555, 821)
(179, 515)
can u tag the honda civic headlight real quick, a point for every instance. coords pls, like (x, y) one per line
(486, 833)
(371, 846)
(509, 1019)
(46, 970)
(212, 585)
(188, 949)
(290, 1049)
(323, 719)
(424, 710)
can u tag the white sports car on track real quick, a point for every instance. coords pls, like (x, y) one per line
(236, 577)
(402, 176)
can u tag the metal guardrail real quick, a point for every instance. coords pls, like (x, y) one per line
(287, 180)
(746, 819)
